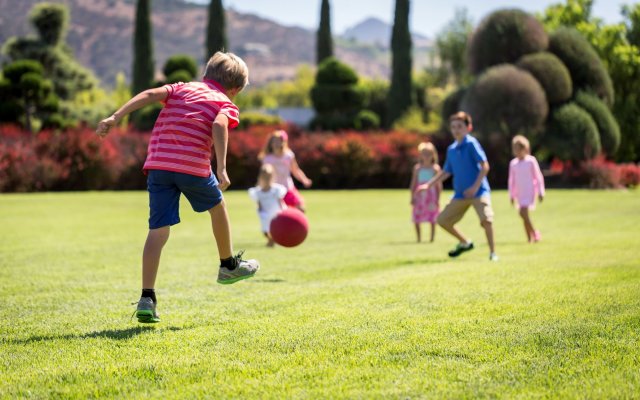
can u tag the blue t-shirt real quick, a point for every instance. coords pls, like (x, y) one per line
(463, 162)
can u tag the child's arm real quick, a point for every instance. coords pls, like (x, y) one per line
(140, 100)
(220, 141)
(473, 189)
(539, 179)
(440, 177)
(511, 183)
(299, 174)
(439, 187)
(414, 183)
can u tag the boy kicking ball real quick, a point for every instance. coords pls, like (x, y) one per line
(467, 163)
(196, 115)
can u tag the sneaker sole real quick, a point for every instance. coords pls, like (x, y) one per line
(454, 255)
(146, 317)
(234, 280)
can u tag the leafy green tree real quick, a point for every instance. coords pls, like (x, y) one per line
(608, 128)
(401, 90)
(618, 47)
(451, 46)
(51, 21)
(143, 64)
(216, 29)
(180, 62)
(26, 96)
(48, 48)
(324, 41)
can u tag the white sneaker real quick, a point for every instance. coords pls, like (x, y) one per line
(493, 257)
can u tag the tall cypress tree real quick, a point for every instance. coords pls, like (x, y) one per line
(401, 90)
(324, 42)
(216, 29)
(143, 69)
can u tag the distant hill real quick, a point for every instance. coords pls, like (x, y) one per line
(376, 32)
(101, 34)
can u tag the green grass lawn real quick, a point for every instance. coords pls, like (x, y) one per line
(358, 311)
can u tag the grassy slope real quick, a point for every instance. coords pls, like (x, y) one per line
(357, 311)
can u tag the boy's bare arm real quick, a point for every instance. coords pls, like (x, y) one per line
(140, 100)
(220, 139)
(440, 176)
(473, 189)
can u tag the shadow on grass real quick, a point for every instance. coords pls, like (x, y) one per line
(424, 261)
(114, 334)
(272, 280)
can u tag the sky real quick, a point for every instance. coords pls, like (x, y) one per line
(428, 17)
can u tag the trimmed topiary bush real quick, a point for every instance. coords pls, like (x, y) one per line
(179, 76)
(553, 75)
(365, 120)
(503, 37)
(607, 125)
(180, 62)
(586, 69)
(572, 135)
(451, 105)
(506, 100)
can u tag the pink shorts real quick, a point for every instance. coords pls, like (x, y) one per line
(293, 198)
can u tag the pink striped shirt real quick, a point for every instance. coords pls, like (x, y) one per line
(181, 139)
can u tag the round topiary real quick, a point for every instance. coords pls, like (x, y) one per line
(452, 104)
(572, 135)
(607, 125)
(332, 71)
(503, 37)
(586, 69)
(181, 62)
(14, 71)
(552, 74)
(179, 76)
(366, 119)
(506, 100)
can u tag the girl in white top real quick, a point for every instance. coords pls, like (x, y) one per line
(277, 153)
(269, 196)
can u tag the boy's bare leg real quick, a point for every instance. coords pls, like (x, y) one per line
(488, 230)
(221, 230)
(433, 232)
(455, 232)
(156, 239)
(418, 233)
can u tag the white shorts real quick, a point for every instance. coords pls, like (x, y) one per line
(265, 219)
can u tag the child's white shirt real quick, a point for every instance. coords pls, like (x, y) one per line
(269, 200)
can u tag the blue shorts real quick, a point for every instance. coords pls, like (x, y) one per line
(164, 195)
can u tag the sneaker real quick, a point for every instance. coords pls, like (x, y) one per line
(493, 257)
(244, 269)
(461, 248)
(536, 236)
(146, 311)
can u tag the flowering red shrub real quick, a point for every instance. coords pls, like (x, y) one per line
(602, 174)
(76, 159)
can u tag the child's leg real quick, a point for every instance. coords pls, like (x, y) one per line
(270, 242)
(221, 230)
(452, 213)
(488, 230)
(156, 240)
(433, 231)
(418, 233)
(528, 226)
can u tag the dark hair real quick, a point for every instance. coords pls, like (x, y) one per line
(462, 116)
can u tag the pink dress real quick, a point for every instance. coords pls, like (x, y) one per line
(426, 206)
(282, 167)
(525, 181)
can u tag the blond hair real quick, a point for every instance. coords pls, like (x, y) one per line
(228, 70)
(266, 171)
(268, 147)
(428, 146)
(522, 142)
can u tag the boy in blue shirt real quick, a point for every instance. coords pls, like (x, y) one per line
(467, 163)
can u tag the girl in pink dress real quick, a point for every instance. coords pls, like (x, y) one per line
(426, 203)
(277, 153)
(525, 183)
